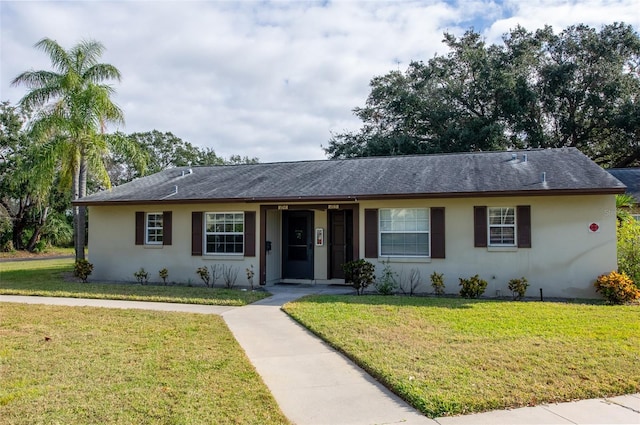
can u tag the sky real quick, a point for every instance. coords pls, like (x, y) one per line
(266, 79)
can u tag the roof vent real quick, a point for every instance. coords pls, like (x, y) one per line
(544, 177)
(514, 156)
(524, 157)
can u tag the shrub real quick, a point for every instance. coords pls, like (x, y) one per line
(359, 273)
(141, 276)
(413, 282)
(617, 288)
(518, 287)
(203, 272)
(229, 274)
(250, 275)
(472, 287)
(387, 283)
(82, 269)
(437, 283)
(216, 273)
(629, 249)
(164, 273)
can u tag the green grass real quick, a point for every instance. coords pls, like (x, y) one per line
(45, 278)
(456, 356)
(48, 252)
(81, 365)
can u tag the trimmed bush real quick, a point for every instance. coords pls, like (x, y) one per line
(359, 273)
(437, 283)
(141, 276)
(387, 283)
(472, 287)
(164, 274)
(82, 269)
(518, 287)
(617, 288)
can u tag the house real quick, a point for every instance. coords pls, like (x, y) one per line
(547, 215)
(631, 178)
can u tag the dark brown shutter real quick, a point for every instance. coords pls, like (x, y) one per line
(249, 233)
(139, 228)
(437, 232)
(167, 226)
(480, 227)
(196, 233)
(371, 233)
(523, 218)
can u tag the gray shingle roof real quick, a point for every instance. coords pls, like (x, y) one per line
(567, 170)
(631, 178)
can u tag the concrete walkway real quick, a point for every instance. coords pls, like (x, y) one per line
(313, 384)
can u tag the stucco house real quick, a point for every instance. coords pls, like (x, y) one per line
(547, 215)
(631, 178)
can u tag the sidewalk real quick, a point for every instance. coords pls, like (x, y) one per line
(314, 384)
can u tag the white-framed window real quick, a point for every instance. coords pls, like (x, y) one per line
(153, 228)
(502, 226)
(224, 233)
(636, 216)
(404, 232)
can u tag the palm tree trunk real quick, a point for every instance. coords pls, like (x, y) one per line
(79, 248)
(82, 210)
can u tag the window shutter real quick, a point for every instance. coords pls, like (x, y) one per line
(524, 226)
(437, 232)
(166, 227)
(139, 228)
(196, 233)
(480, 227)
(249, 233)
(371, 233)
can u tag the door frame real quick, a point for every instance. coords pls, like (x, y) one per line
(307, 267)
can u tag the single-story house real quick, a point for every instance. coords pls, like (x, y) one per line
(631, 178)
(547, 215)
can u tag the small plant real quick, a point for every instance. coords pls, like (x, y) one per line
(437, 283)
(216, 273)
(409, 286)
(518, 287)
(387, 283)
(472, 287)
(82, 269)
(229, 274)
(617, 288)
(141, 276)
(164, 274)
(250, 274)
(359, 273)
(203, 272)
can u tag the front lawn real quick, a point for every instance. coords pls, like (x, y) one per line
(45, 278)
(96, 366)
(454, 356)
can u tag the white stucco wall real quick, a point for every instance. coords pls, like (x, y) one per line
(565, 258)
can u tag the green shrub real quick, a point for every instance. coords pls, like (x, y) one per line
(387, 283)
(203, 272)
(629, 249)
(164, 274)
(141, 276)
(472, 287)
(82, 269)
(518, 287)
(359, 273)
(617, 288)
(437, 283)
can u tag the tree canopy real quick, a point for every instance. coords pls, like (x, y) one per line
(539, 89)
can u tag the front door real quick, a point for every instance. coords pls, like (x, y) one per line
(297, 256)
(340, 241)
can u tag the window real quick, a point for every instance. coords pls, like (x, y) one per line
(636, 216)
(404, 232)
(502, 226)
(224, 233)
(154, 229)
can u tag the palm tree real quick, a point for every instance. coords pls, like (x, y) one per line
(624, 203)
(74, 106)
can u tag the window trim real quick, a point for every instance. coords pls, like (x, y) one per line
(427, 232)
(147, 228)
(205, 234)
(514, 226)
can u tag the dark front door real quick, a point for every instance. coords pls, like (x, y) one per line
(340, 241)
(297, 256)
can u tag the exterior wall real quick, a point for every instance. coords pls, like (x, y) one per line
(115, 256)
(564, 260)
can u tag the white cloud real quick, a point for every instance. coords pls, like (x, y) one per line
(266, 79)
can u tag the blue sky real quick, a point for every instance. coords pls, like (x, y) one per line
(266, 79)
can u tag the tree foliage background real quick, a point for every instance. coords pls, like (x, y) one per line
(539, 89)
